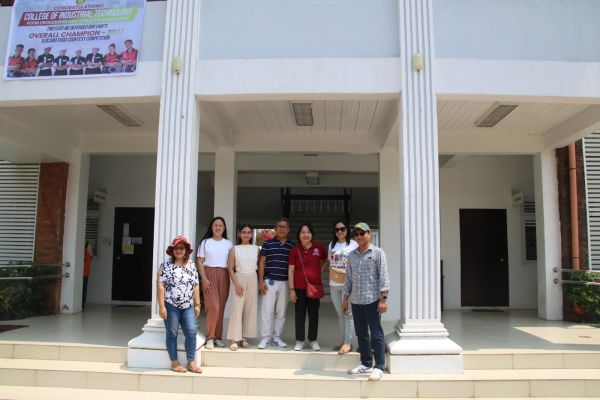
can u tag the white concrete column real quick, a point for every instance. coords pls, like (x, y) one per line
(389, 221)
(74, 233)
(177, 167)
(226, 188)
(420, 343)
(548, 235)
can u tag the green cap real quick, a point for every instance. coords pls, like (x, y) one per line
(362, 226)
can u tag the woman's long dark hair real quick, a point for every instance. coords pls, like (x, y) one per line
(242, 226)
(209, 232)
(310, 228)
(335, 239)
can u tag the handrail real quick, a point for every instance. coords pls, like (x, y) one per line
(65, 264)
(587, 271)
(585, 283)
(31, 278)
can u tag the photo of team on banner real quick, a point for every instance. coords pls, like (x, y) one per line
(21, 65)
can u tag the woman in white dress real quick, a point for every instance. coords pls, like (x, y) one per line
(338, 250)
(242, 266)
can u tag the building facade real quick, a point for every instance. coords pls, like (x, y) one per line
(437, 120)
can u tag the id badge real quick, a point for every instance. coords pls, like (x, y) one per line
(270, 282)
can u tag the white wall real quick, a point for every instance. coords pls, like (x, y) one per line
(486, 182)
(298, 29)
(517, 29)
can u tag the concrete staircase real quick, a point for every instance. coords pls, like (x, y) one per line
(284, 373)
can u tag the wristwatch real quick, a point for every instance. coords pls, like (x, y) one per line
(383, 298)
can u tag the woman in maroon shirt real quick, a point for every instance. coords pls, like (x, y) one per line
(308, 258)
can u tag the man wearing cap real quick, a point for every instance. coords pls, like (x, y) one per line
(45, 62)
(366, 287)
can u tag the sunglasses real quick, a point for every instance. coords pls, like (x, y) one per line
(342, 229)
(359, 233)
(282, 226)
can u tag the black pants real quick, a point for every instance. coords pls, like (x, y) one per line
(302, 306)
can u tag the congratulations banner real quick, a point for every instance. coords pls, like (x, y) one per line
(73, 38)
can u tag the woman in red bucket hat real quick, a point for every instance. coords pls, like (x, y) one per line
(179, 301)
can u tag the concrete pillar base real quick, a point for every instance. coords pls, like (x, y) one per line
(429, 355)
(149, 350)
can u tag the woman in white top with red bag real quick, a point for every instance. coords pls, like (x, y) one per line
(242, 266)
(338, 250)
(213, 254)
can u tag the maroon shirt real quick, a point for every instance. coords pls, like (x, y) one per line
(311, 258)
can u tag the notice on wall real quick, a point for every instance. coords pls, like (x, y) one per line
(73, 38)
(127, 249)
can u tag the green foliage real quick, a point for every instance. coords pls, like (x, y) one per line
(26, 298)
(586, 296)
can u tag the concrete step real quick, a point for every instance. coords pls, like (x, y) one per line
(288, 359)
(301, 382)
(48, 393)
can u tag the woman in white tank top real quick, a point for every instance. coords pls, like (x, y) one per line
(242, 266)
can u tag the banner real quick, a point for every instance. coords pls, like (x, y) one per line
(73, 38)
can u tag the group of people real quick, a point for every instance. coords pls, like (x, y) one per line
(280, 271)
(94, 63)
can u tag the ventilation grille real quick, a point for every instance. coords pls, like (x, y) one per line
(18, 208)
(92, 225)
(591, 145)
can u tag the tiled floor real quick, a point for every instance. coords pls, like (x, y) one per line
(491, 331)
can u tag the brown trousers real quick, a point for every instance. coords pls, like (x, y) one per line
(215, 301)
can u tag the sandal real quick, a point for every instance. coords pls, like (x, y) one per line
(233, 346)
(346, 348)
(177, 368)
(245, 344)
(337, 347)
(192, 367)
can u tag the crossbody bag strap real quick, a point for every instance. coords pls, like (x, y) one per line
(302, 263)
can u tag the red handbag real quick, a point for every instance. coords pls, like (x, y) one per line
(313, 290)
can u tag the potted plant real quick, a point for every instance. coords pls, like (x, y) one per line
(6, 309)
(583, 294)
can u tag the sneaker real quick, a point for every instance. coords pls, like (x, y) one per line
(210, 344)
(376, 375)
(219, 343)
(299, 346)
(280, 343)
(360, 369)
(264, 342)
(315, 346)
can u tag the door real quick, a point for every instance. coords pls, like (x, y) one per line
(132, 254)
(483, 258)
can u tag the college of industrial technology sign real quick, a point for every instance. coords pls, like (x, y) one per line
(73, 38)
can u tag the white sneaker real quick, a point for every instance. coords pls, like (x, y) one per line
(299, 346)
(315, 346)
(219, 343)
(376, 375)
(264, 342)
(360, 369)
(210, 344)
(280, 343)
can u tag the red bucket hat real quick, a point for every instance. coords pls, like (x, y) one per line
(176, 241)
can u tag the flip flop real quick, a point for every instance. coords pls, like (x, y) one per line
(337, 347)
(343, 351)
(245, 344)
(196, 369)
(178, 368)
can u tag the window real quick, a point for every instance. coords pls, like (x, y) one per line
(529, 233)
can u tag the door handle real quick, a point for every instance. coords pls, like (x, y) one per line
(502, 260)
(117, 258)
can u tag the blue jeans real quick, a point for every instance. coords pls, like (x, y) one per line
(367, 318)
(189, 325)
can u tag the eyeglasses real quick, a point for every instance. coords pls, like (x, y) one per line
(359, 233)
(282, 226)
(342, 229)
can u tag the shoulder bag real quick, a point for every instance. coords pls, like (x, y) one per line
(313, 291)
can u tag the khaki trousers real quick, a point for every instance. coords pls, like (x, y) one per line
(215, 301)
(242, 321)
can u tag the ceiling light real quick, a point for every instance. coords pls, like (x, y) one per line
(120, 115)
(495, 114)
(303, 114)
(312, 178)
